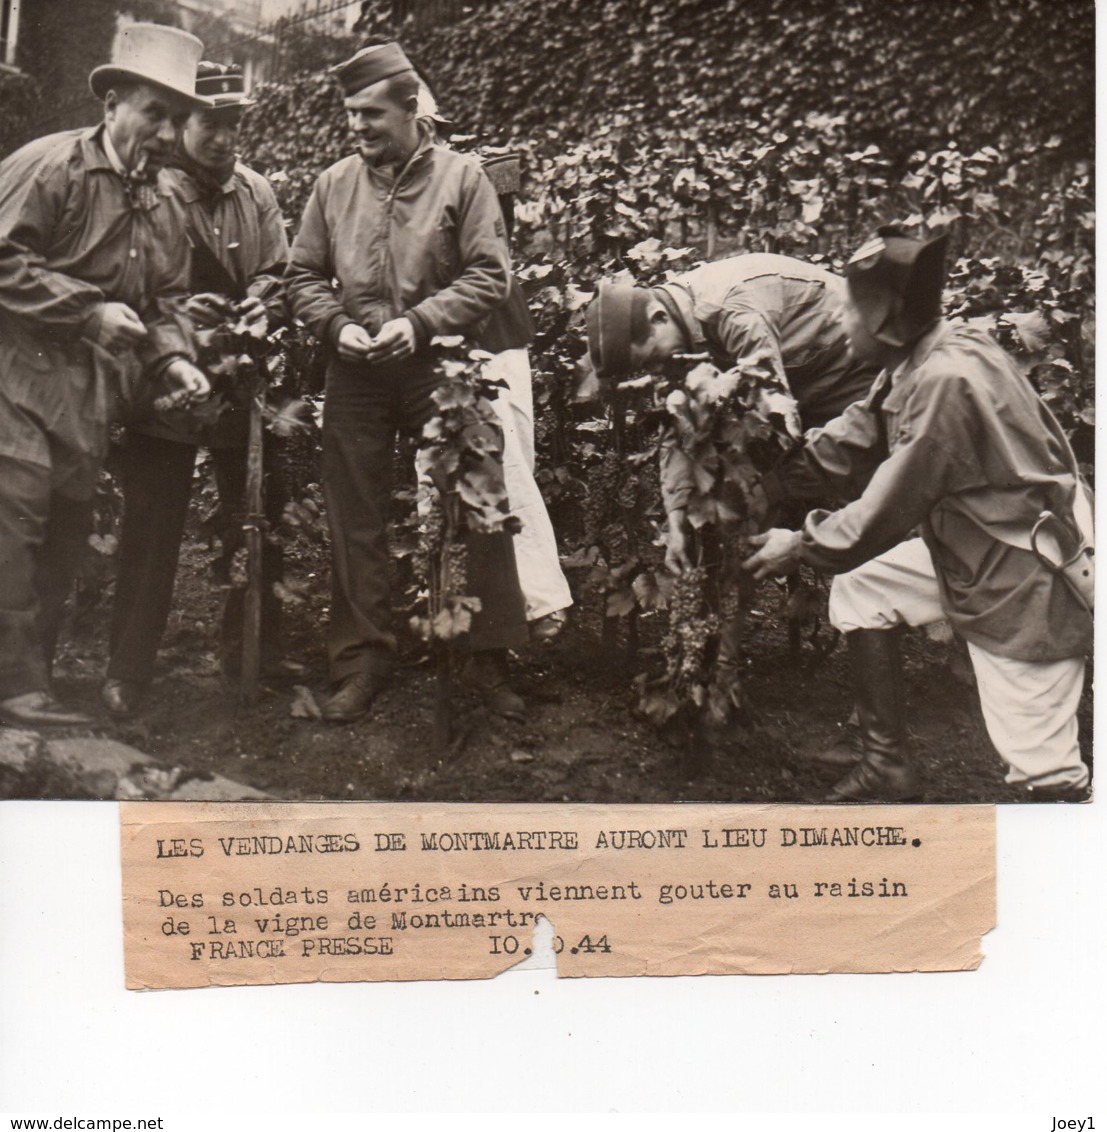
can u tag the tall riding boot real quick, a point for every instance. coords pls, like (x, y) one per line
(883, 774)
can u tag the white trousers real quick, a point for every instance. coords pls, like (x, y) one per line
(544, 586)
(1029, 707)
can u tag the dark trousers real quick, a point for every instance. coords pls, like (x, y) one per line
(156, 478)
(43, 536)
(365, 408)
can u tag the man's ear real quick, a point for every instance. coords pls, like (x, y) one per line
(111, 102)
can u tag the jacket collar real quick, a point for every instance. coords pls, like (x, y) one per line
(900, 377)
(190, 191)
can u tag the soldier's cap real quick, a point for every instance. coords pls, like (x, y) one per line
(222, 84)
(895, 282)
(368, 67)
(160, 56)
(616, 317)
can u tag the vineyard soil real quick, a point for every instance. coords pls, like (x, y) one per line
(580, 743)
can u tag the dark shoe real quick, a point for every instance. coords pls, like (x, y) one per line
(877, 779)
(548, 627)
(122, 698)
(354, 698)
(40, 709)
(1059, 793)
(486, 674)
(846, 752)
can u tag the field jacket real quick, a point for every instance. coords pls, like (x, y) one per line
(957, 443)
(70, 241)
(239, 248)
(428, 244)
(789, 310)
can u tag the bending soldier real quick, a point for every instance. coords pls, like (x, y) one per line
(780, 309)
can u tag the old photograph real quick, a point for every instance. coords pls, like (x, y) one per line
(612, 401)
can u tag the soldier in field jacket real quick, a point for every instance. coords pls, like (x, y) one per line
(240, 251)
(398, 243)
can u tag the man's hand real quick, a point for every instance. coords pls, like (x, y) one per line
(251, 311)
(677, 559)
(354, 343)
(395, 342)
(778, 554)
(208, 309)
(190, 385)
(117, 328)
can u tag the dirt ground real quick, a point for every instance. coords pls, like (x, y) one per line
(581, 740)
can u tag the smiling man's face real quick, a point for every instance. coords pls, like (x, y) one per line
(385, 130)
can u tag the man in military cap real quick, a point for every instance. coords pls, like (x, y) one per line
(952, 440)
(240, 251)
(782, 310)
(93, 258)
(413, 235)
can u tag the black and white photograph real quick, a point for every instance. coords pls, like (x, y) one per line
(606, 401)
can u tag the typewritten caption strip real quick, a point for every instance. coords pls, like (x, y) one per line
(279, 893)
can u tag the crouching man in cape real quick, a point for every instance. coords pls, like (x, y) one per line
(952, 441)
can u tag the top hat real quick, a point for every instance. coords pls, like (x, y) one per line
(162, 56)
(613, 316)
(222, 84)
(368, 67)
(895, 283)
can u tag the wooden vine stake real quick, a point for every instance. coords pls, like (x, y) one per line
(250, 678)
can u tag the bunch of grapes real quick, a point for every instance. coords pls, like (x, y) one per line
(688, 597)
(694, 637)
(457, 569)
(730, 603)
(616, 543)
(627, 496)
(603, 486)
(691, 624)
(431, 532)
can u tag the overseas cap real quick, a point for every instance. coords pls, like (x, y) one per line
(614, 316)
(896, 284)
(368, 67)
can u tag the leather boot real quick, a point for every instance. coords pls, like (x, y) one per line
(883, 774)
(486, 673)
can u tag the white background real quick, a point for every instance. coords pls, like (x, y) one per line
(1022, 1036)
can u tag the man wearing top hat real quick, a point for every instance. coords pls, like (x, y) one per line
(240, 251)
(952, 440)
(398, 243)
(781, 309)
(93, 258)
